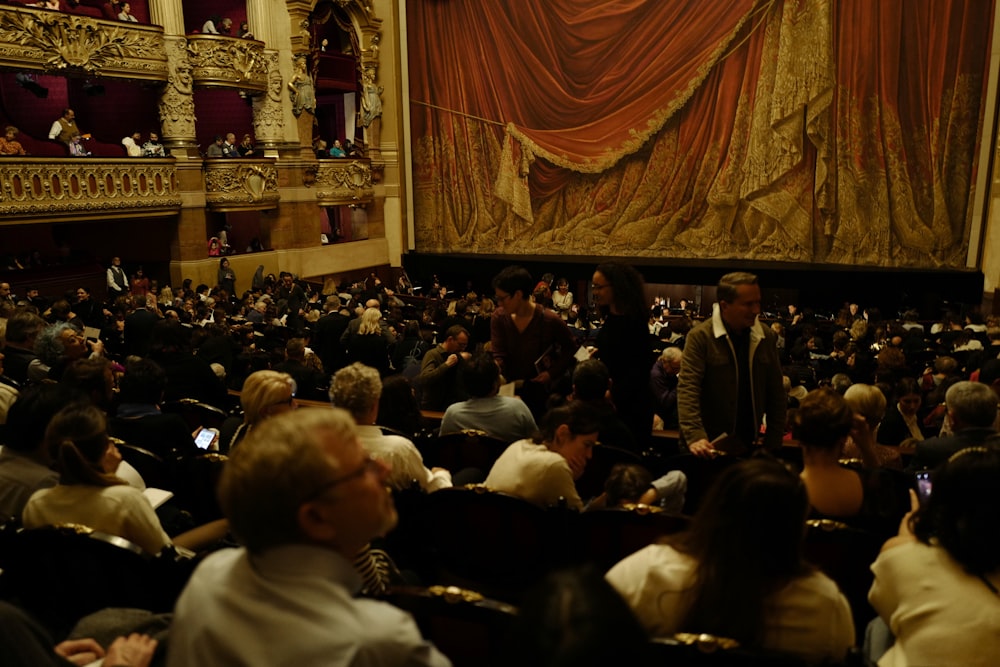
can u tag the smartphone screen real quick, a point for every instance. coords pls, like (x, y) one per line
(923, 485)
(205, 438)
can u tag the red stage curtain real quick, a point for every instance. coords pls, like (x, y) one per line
(806, 130)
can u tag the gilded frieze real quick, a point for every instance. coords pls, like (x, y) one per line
(244, 184)
(344, 182)
(227, 62)
(32, 39)
(38, 187)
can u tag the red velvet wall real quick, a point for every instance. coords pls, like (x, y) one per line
(196, 12)
(220, 112)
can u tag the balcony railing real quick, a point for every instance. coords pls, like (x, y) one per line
(342, 181)
(43, 40)
(241, 184)
(86, 188)
(227, 62)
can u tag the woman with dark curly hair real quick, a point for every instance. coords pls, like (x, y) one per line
(936, 582)
(623, 343)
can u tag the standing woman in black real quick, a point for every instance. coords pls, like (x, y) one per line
(623, 344)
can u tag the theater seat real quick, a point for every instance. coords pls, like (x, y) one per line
(469, 448)
(606, 536)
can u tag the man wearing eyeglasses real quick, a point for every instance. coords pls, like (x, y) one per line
(287, 596)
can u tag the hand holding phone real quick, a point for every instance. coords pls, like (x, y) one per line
(205, 438)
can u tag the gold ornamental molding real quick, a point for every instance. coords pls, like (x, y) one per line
(42, 40)
(241, 184)
(227, 62)
(86, 188)
(344, 181)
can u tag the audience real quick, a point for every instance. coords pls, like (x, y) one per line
(502, 417)
(265, 394)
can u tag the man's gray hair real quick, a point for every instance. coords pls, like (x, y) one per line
(726, 290)
(972, 403)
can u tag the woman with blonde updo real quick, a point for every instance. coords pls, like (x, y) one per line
(264, 394)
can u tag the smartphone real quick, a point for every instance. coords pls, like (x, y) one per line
(206, 437)
(923, 485)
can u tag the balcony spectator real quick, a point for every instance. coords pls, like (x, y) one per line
(153, 147)
(126, 13)
(245, 31)
(132, 143)
(229, 147)
(215, 150)
(338, 149)
(76, 147)
(9, 145)
(64, 128)
(246, 147)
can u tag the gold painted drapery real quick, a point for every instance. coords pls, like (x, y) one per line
(796, 130)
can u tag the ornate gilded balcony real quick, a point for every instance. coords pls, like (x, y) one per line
(42, 40)
(86, 188)
(227, 62)
(241, 184)
(344, 181)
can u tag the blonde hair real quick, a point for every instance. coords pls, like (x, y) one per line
(356, 388)
(369, 322)
(261, 390)
(262, 505)
(867, 401)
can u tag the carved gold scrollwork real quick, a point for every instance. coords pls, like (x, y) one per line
(227, 62)
(344, 182)
(241, 184)
(36, 187)
(52, 41)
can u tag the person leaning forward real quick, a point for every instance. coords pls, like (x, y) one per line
(730, 379)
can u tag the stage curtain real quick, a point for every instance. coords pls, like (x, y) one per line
(796, 130)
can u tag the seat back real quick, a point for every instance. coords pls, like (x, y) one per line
(195, 413)
(154, 470)
(845, 554)
(702, 650)
(464, 449)
(196, 479)
(701, 474)
(495, 542)
(609, 535)
(62, 573)
(470, 629)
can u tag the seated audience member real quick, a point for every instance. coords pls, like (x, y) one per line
(188, 376)
(215, 150)
(140, 422)
(49, 4)
(265, 394)
(901, 421)
(574, 617)
(126, 13)
(8, 388)
(592, 386)
(214, 24)
(288, 595)
(663, 384)
(439, 370)
(502, 417)
(57, 346)
(630, 484)
(244, 32)
(357, 388)
(822, 424)
(246, 147)
(9, 145)
(972, 412)
(319, 147)
(25, 643)
(23, 328)
(738, 572)
(153, 147)
(312, 384)
(229, 147)
(936, 582)
(869, 402)
(76, 147)
(337, 150)
(544, 469)
(133, 145)
(25, 462)
(90, 493)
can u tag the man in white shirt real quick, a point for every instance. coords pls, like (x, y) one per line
(287, 596)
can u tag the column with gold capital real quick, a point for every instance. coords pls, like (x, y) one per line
(177, 100)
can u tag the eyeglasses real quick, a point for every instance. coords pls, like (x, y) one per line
(370, 464)
(502, 297)
(598, 288)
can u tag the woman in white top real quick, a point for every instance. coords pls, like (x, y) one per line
(738, 571)
(936, 583)
(126, 14)
(89, 492)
